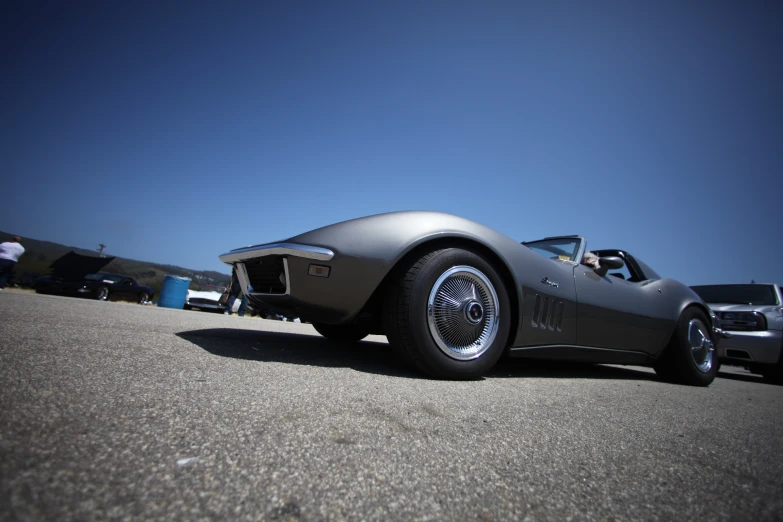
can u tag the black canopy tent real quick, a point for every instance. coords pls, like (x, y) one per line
(73, 266)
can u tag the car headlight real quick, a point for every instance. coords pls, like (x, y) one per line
(745, 321)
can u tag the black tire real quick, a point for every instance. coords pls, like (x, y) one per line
(773, 375)
(342, 333)
(187, 307)
(102, 294)
(426, 342)
(678, 362)
(144, 298)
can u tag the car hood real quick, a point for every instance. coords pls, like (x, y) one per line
(718, 307)
(73, 266)
(204, 295)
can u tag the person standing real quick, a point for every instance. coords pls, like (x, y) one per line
(10, 252)
(233, 292)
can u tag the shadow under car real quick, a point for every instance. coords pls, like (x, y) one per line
(377, 357)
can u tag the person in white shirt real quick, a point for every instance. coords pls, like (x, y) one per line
(10, 252)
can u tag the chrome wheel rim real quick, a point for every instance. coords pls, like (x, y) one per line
(103, 293)
(144, 299)
(462, 313)
(701, 346)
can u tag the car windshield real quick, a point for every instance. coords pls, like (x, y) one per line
(751, 294)
(565, 249)
(104, 277)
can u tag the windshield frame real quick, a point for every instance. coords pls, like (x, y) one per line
(575, 256)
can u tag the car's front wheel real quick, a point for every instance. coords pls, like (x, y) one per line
(449, 314)
(342, 333)
(690, 356)
(144, 298)
(102, 294)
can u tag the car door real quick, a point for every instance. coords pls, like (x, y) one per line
(126, 289)
(549, 312)
(617, 313)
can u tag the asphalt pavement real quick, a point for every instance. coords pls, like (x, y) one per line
(115, 411)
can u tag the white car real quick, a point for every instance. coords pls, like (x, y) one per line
(209, 299)
(752, 316)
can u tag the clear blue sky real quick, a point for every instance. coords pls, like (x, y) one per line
(173, 132)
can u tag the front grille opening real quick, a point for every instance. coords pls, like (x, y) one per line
(264, 275)
(738, 354)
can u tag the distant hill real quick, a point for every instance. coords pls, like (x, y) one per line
(39, 255)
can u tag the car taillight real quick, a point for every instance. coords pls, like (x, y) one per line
(745, 321)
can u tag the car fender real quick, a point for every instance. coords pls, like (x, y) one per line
(369, 248)
(678, 297)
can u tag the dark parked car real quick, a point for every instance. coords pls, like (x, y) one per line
(452, 296)
(78, 275)
(101, 286)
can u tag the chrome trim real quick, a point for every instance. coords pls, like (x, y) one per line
(456, 334)
(577, 346)
(244, 280)
(287, 280)
(283, 249)
(581, 252)
(702, 348)
(722, 333)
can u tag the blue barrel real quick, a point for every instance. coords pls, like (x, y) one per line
(174, 292)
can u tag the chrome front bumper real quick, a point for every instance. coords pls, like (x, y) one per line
(239, 256)
(759, 347)
(279, 249)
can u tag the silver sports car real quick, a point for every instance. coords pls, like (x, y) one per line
(453, 296)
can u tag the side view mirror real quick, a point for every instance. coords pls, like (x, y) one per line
(608, 263)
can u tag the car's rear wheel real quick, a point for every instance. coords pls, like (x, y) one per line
(144, 298)
(448, 314)
(342, 333)
(690, 356)
(102, 294)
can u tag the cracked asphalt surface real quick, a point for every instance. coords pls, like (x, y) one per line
(124, 412)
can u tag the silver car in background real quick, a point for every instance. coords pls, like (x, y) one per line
(752, 314)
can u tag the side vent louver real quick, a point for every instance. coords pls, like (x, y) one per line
(536, 310)
(560, 313)
(548, 314)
